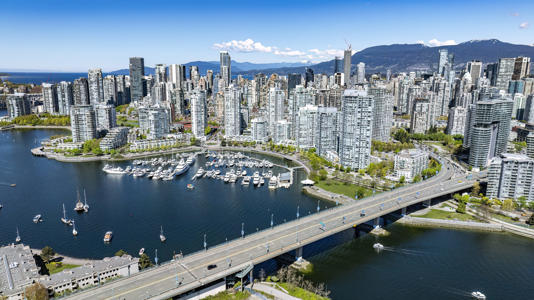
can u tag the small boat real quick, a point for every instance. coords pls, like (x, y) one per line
(37, 219)
(79, 204)
(190, 186)
(478, 295)
(18, 239)
(1, 206)
(85, 206)
(74, 231)
(108, 236)
(246, 180)
(13, 185)
(162, 237)
(110, 170)
(64, 219)
(262, 180)
(141, 251)
(378, 246)
(273, 182)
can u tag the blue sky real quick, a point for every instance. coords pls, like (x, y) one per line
(75, 35)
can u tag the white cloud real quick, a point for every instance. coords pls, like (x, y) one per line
(523, 25)
(437, 43)
(247, 45)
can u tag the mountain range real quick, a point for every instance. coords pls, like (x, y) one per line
(395, 57)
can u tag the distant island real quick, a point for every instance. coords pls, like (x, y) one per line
(4, 74)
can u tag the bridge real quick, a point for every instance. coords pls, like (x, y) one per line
(191, 272)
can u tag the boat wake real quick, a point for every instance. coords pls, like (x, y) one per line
(404, 251)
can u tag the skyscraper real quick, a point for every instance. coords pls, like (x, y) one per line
(347, 63)
(474, 68)
(232, 116)
(110, 90)
(511, 176)
(105, 115)
(65, 97)
(49, 96)
(276, 107)
(356, 128)
(81, 91)
(226, 68)
(177, 75)
(488, 136)
(161, 73)
(137, 72)
(361, 73)
(420, 116)
(96, 86)
(308, 77)
(505, 71)
(154, 121)
(521, 68)
(83, 123)
(18, 105)
(382, 113)
(443, 60)
(198, 112)
(293, 80)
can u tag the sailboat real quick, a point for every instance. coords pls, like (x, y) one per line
(79, 204)
(85, 206)
(161, 236)
(18, 239)
(74, 231)
(64, 220)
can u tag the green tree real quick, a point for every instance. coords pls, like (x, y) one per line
(36, 291)
(121, 253)
(402, 179)
(47, 253)
(144, 261)
(508, 204)
(402, 136)
(461, 207)
(322, 174)
(476, 189)
(417, 178)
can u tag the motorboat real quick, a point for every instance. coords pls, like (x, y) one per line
(262, 180)
(162, 237)
(244, 173)
(37, 218)
(190, 186)
(378, 246)
(18, 239)
(256, 178)
(181, 168)
(478, 295)
(108, 236)
(141, 251)
(273, 182)
(116, 171)
(190, 160)
(199, 173)
(246, 180)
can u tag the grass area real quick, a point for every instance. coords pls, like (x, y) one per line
(127, 123)
(346, 189)
(55, 267)
(300, 293)
(226, 295)
(443, 205)
(445, 215)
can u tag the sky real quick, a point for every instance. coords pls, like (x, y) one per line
(76, 35)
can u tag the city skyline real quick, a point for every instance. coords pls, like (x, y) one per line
(75, 38)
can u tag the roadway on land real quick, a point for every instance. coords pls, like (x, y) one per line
(189, 272)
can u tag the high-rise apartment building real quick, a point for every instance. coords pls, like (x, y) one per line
(160, 72)
(154, 121)
(177, 75)
(361, 73)
(96, 86)
(198, 113)
(83, 123)
(18, 105)
(232, 116)
(110, 90)
(443, 60)
(81, 91)
(521, 68)
(137, 72)
(510, 176)
(382, 113)
(65, 97)
(474, 68)
(505, 71)
(457, 120)
(106, 117)
(420, 117)
(276, 107)
(356, 127)
(49, 97)
(226, 67)
(347, 63)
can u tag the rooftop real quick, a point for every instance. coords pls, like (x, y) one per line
(17, 268)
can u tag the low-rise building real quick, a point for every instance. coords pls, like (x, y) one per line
(410, 163)
(115, 138)
(17, 270)
(151, 144)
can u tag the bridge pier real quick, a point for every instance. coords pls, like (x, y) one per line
(427, 203)
(403, 211)
(298, 252)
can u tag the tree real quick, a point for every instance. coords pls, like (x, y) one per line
(476, 189)
(508, 204)
(461, 207)
(322, 174)
(402, 179)
(36, 291)
(417, 178)
(522, 201)
(47, 253)
(121, 253)
(144, 261)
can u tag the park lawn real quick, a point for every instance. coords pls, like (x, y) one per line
(348, 190)
(445, 215)
(54, 267)
(228, 296)
(300, 293)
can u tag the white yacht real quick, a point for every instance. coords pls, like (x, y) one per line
(273, 182)
(256, 178)
(18, 239)
(181, 168)
(378, 246)
(246, 180)
(244, 173)
(162, 238)
(37, 219)
(74, 231)
(478, 295)
(262, 180)
(226, 178)
(64, 219)
(141, 251)
(233, 178)
(110, 170)
(199, 173)
(191, 160)
(79, 204)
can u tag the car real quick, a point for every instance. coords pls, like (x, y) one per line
(211, 267)
(362, 214)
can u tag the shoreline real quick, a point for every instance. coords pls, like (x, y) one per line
(68, 259)
(452, 224)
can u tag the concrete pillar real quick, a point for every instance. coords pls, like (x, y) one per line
(403, 211)
(298, 252)
(251, 277)
(376, 222)
(427, 203)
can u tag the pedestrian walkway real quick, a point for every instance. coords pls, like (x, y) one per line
(278, 295)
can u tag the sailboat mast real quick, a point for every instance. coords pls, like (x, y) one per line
(85, 197)
(64, 213)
